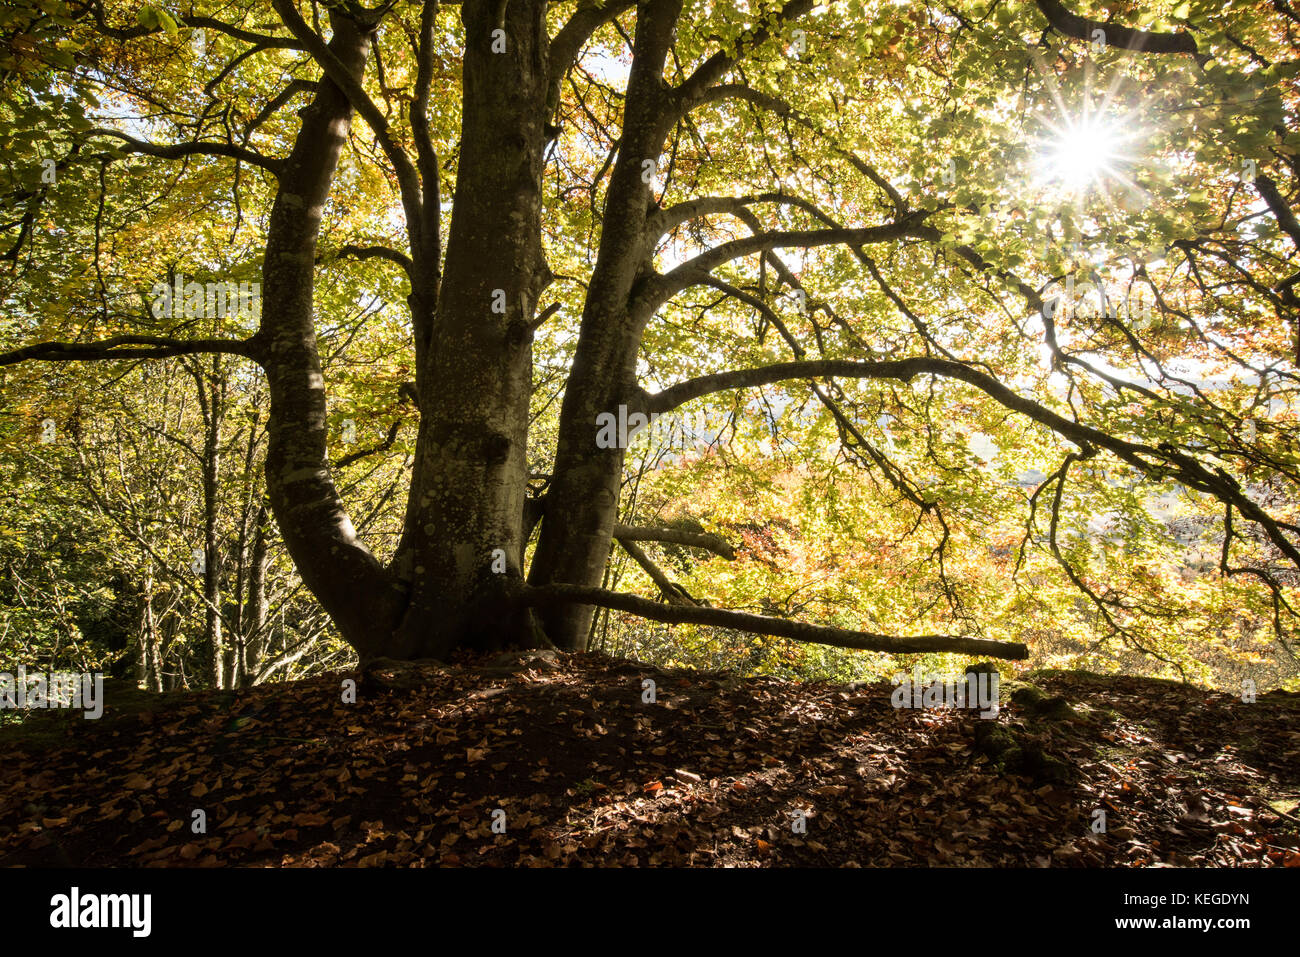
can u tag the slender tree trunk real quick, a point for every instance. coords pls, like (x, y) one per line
(150, 672)
(212, 559)
(253, 618)
(252, 515)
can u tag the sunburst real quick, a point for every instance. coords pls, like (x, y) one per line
(1090, 149)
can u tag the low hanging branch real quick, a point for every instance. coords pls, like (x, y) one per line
(382, 446)
(712, 543)
(764, 625)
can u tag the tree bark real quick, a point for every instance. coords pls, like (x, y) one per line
(582, 501)
(463, 539)
(253, 617)
(352, 586)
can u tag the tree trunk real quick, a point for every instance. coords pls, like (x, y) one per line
(213, 401)
(352, 586)
(582, 501)
(253, 617)
(150, 672)
(463, 540)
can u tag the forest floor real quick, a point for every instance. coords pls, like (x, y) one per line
(419, 769)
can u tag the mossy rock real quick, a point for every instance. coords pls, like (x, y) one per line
(1027, 696)
(1045, 768)
(1011, 754)
(1056, 708)
(1038, 704)
(993, 739)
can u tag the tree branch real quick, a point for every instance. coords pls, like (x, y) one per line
(697, 269)
(383, 446)
(407, 178)
(136, 347)
(196, 148)
(1081, 28)
(1169, 460)
(96, 10)
(569, 40)
(764, 625)
(280, 99)
(697, 85)
(1277, 203)
(673, 593)
(370, 252)
(430, 253)
(712, 543)
(664, 220)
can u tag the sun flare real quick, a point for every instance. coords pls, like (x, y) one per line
(1090, 149)
(1082, 154)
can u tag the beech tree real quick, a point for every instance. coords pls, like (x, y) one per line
(850, 190)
